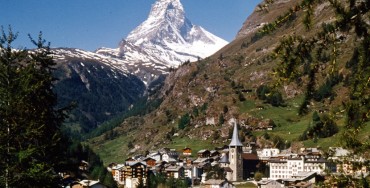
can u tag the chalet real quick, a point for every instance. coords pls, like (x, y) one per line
(188, 172)
(150, 162)
(188, 161)
(117, 173)
(133, 173)
(186, 151)
(204, 153)
(83, 165)
(160, 166)
(175, 171)
(201, 160)
(155, 155)
(170, 156)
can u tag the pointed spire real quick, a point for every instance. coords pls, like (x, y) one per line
(235, 139)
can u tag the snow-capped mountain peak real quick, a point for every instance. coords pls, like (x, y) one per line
(168, 34)
(166, 9)
(166, 16)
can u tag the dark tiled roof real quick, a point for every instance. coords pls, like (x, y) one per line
(249, 156)
(228, 169)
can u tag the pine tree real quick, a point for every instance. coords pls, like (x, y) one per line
(303, 56)
(30, 137)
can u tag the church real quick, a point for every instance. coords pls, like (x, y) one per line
(233, 162)
(237, 163)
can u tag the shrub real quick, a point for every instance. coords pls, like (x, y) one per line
(270, 96)
(184, 121)
(321, 127)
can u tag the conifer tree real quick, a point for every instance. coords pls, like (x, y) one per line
(30, 137)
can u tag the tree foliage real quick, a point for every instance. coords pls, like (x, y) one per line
(76, 153)
(321, 127)
(270, 95)
(30, 137)
(215, 172)
(258, 176)
(184, 121)
(305, 57)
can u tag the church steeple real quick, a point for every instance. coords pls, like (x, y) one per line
(235, 157)
(235, 139)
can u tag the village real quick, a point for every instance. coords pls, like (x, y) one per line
(234, 164)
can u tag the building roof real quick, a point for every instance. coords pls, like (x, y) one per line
(228, 169)
(203, 151)
(249, 156)
(320, 160)
(266, 182)
(118, 166)
(200, 160)
(148, 158)
(134, 163)
(173, 168)
(235, 139)
(303, 184)
(224, 159)
(215, 182)
(88, 182)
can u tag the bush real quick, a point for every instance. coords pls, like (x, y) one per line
(184, 121)
(258, 176)
(321, 127)
(270, 96)
(276, 99)
(261, 91)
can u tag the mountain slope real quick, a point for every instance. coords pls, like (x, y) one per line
(100, 86)
(215, 92)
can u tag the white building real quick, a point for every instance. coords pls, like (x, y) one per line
(283, 167)
(266, 153)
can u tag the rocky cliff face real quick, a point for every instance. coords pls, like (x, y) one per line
(256, 20)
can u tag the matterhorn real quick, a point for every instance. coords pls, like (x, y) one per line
(170, 36)
(165, 39)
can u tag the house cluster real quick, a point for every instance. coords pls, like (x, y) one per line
(187, 166)
(301, 169)
(237, 163)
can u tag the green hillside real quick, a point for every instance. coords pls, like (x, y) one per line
(292, 66)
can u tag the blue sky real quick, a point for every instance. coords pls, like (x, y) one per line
(90, 24)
